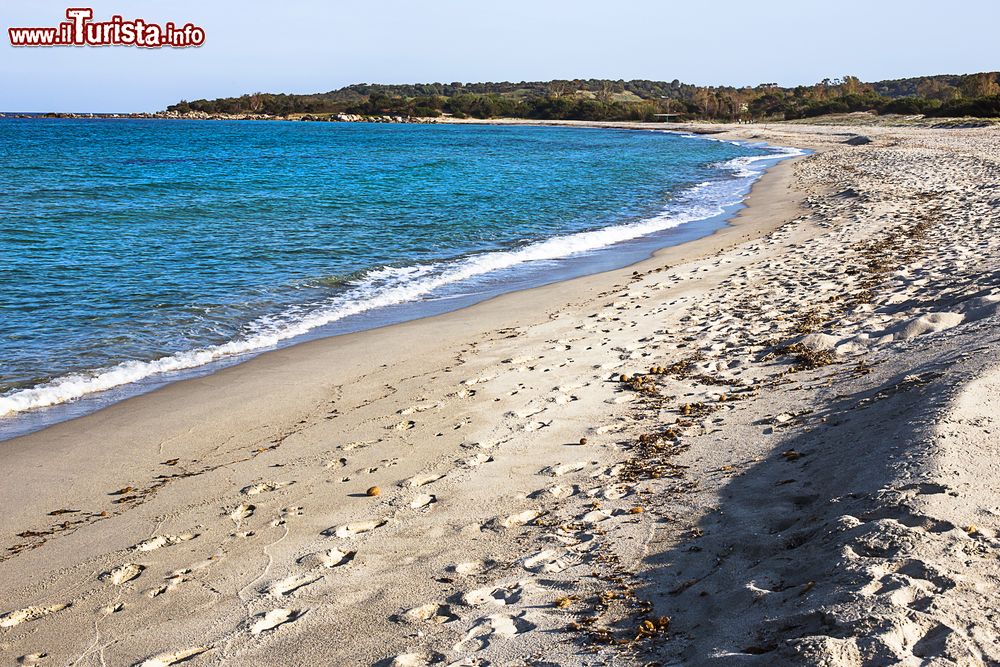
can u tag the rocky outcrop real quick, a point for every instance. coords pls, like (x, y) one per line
(202, 115)
(358, 118)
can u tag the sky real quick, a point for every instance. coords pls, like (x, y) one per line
(307, 46)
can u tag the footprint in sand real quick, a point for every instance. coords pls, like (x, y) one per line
(263, 487)
(496, 626)
(173, 657)
(158, 591)
(172, 582)
(329, 558)
(614, 492)
(402, 426)
(274, 619)
(468, 567)
(519, 519)
(557, 491)
(242, 512)
(518, 360)
(476, 460)
(470, 661)
(413, 410)
(422, 501)
(564, 468)
(123, 574)
(358, 444)
(497, 596)
(32, 659)
(355, 528)
(286, 514)
(429, 613)
(536, 425)
(612, 472)
(575, 540)
(595, 516)
(550, 561)
(160, 541)
(422, 480)
(478, 380)
(416, 660)
(15, 618)
(279, 589)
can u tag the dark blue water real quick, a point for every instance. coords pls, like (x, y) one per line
(137, 249)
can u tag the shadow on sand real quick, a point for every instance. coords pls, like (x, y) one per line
(788, 568)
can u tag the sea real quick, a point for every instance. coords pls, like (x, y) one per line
(137, 252)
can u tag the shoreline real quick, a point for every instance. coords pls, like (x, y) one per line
(36, 419)
(772, 445)
(264, 399)
(735, 225)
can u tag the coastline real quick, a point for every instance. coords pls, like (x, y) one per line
(275, 389)
(529, 502)
(621, 254)
(751, 221)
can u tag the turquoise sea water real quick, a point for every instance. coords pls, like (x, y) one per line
(135, 251)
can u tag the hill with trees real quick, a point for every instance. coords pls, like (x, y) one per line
(602, 99)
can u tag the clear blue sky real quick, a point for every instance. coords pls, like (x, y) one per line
(308, 46)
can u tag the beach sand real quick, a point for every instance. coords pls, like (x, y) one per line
(799, 466)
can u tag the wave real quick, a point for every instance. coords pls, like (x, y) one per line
(390, 286)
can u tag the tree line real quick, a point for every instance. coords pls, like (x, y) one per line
(602, 99)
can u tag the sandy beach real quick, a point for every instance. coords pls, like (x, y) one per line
(773, 445)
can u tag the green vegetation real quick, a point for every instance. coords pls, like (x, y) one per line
(599, 99)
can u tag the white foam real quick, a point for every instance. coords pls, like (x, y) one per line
(743, 167)
(391, 286)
